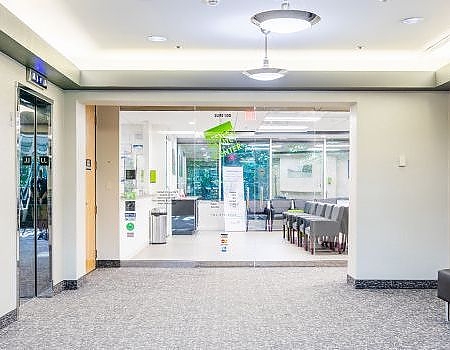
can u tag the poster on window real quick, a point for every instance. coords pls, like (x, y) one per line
(233, 197)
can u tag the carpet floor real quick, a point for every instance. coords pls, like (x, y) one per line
(229, 308)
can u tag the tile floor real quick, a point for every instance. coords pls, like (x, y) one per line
(242, 246)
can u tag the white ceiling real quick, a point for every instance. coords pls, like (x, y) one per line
(111, 34)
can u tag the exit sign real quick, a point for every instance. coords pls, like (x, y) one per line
(36, 78)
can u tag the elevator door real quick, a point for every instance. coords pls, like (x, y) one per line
(34, 197)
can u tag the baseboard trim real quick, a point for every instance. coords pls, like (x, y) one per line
(68, 285)
(108, 263)
(8, 318)
(59, 287)
(391, 284)
(230, 263)
(74, 284)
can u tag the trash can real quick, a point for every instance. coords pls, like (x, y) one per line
(158, 226)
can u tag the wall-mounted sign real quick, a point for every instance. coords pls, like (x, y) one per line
(130, 174)
(130, 206)
(130, 216)
(222, 115)
(88, 164)
(130, 234)
(224, 135)
(223, 242)
(130, 226)
(152, 176)
(44, 160)
(26, 160)
(36, 78)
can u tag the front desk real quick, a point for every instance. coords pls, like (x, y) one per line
(184, 216)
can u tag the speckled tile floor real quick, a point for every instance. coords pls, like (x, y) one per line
(229, 308)
(242, 246)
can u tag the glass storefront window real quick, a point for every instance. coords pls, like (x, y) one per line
(198, 170)
(254, 158)
(338, 169)
(297, 170)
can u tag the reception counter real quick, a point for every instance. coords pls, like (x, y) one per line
(184, 216)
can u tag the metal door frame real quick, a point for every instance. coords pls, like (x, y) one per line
(18, 87)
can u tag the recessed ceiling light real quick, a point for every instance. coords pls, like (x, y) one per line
(192, 123)
(412, 20)
(360, 47)
(293, 128)
(285, 20)
(156, 38)
(211, 2)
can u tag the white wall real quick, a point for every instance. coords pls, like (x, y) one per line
(389, 238)
(11, 73)
(386, 235)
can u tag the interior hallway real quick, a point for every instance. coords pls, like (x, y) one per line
(221, 308)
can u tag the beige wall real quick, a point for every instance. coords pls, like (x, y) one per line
(108, 242)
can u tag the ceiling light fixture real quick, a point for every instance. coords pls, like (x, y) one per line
(412, 20)
(156, 38)
(291, 119)
(285, 20)
(211, 2)
(294, 128)
(265, 73)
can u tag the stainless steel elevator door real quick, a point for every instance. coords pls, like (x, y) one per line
(34, 198)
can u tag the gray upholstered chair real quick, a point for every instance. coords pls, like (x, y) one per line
(325, 229)
(443, 288)
(256, 216)
(277, 208)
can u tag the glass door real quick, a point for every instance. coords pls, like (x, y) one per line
(34, 195)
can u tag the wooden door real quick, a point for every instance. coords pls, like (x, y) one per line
(90, 167)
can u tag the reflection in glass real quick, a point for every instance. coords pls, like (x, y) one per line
(198, 170)
(297, 170)
(253, 157)
(34, 196)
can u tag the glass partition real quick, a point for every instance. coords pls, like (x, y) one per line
(198, 170)
(338, 169)
(254, 158)
(297, 170)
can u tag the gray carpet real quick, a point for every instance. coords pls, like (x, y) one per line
(229, 308)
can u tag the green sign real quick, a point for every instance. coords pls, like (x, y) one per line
(223, 134)
(130, 226)
(152, 176)
(130, 195)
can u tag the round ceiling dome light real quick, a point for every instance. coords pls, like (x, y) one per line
(265, 73)
(211, 2)
(412, 20)
(285, 20)
(156, 38)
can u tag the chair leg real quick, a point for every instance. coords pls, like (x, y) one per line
(447, 311)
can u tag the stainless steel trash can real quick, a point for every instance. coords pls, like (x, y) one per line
(158, 226)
